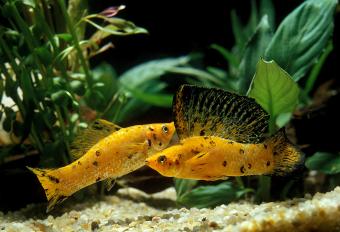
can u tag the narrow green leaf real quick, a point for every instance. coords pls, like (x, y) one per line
(151, 70)
(237, 27)
(201, 75)
(267, 8)
(156, 99)
(254, 50)
(183, 186)
(228, 56)
(274, 90)
(302, 36)
(328, 163)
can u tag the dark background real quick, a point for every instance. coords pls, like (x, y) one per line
(175, 28)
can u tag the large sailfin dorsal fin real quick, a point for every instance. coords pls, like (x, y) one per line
(200, 111)
(88, 137)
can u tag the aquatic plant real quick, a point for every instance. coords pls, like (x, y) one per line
(46, 75)
(299, 45)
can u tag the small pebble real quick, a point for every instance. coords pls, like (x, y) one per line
(94, 225)
(156, 219)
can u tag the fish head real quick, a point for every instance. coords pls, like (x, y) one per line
(166, 162)
(159, 135)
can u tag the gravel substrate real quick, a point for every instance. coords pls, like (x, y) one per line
(125, 212)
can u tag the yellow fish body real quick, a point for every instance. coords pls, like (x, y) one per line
(115, 155)
(212, 158)
(223, 134)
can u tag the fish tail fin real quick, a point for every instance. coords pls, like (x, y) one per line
(49, 181)
(287, 157)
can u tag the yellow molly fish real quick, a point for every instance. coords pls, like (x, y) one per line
(223, 134)
(104, 151)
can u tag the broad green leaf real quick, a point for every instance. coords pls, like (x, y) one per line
(254, 50)
(212, 195)
(274, 90)
(183, 186)
(302, 36)
(325, 162)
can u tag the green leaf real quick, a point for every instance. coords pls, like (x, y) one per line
(183, 186)
(228, 56)
(156, 99)
(302, 36)
(205, 77)
(77, 87)
(212, 195)
(151, 70)
(274, 90)
(325, 162)
(254, 50)
(61, 97)
(267, 8)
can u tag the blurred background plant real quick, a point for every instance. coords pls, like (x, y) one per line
(46, 78)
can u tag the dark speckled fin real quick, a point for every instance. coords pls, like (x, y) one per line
(200, 111)
(98, 130)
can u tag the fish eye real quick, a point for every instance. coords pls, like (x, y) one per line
(161, 159)
(165, 129)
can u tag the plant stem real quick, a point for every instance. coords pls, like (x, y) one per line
(76, 42)
(263, 193)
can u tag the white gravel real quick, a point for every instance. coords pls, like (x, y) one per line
(124, 213)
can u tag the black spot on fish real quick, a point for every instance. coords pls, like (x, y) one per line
(46, 190)
(98, 179)
(154, 136)
(212, 143)
(202, 133)
(179, 156)
(242, 169)
(201, 145)
(149, 142)
(53, 179)
(151, 129)
(249, 166)
(200, 156)
(206, 137)
(195, 151)
(230, 142)
(130, 156)
(224, 163)
(265, 146)
(79, 163)
(95, 163)
(268, 163)
(97, 153)
(176, 162)
(160, 144)
(241, 151)
(275, 153)
(208, 177)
